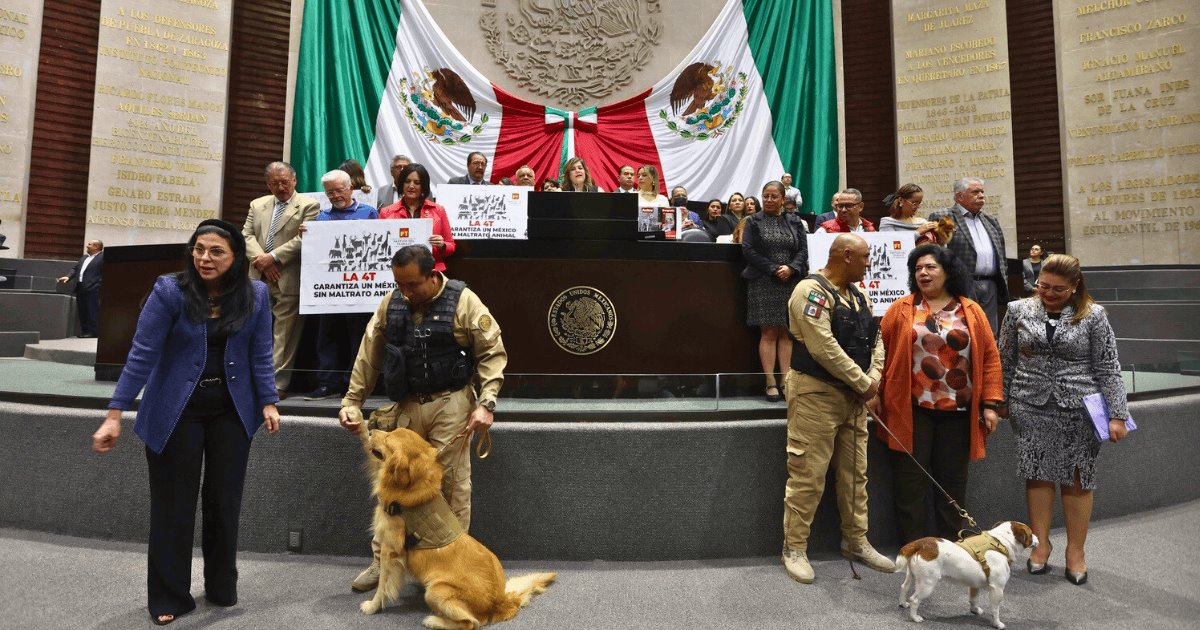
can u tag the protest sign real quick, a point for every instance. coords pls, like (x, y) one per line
(486, 212)
(346, 266)
(887, 278)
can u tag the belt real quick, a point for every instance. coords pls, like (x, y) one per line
(428, 398)
(211, 382)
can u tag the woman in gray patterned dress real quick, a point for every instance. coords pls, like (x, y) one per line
(1058, 347)
(775, 245)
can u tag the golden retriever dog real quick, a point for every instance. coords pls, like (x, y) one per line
(464, 583)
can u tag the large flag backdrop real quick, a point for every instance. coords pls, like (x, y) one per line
(755, 97)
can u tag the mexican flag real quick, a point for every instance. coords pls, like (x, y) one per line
(756, 97)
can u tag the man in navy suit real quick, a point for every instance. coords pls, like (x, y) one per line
(87, 274)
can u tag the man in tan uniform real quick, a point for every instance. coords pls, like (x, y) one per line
(451, 345)
(272, 232)
(837, 360)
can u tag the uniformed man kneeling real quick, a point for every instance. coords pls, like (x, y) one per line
(434, 342)
(837, 360)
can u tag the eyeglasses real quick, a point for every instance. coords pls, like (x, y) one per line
(337, 191)
(1041, 286)
(215, 253)
(847, 206)
(913, 203)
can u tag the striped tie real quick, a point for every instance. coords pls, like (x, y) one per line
(270, 244)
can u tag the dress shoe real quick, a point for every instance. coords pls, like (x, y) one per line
(863, 552)
(776, 397)
(797, 566)
(368, 579)
(321, 393)
(1078, 579)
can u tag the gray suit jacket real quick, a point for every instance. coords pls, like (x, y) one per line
(1027, 273)
(1080, 360)
(963, 246)
(287, 236)
(386, 197)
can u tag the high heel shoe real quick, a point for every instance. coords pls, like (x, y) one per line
(1078, 579)
(1038, 568)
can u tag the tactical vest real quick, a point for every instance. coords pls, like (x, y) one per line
(425, 359)
(431, 525)
(853, 330)
(978, 544)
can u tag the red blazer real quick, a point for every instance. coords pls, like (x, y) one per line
(987, 381)
(441, 227)
(834, 225)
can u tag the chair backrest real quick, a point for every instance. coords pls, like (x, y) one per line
(695, 236)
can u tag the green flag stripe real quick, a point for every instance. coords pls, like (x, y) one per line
(793, 47)
(346, 51)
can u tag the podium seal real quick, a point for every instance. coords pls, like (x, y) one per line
(582, 320)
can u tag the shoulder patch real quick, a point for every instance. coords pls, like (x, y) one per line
(485, 322)
(813, 310)
(816, 296)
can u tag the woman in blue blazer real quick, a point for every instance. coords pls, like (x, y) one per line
(202, 350)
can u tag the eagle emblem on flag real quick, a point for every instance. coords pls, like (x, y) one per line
(440, 106)
(706, 100)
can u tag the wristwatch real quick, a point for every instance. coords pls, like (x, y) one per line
(490, 405)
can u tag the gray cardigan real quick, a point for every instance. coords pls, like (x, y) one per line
(1081, 359)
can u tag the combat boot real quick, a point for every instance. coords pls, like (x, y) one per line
(797, 566)
(863, 552)
(368, 579)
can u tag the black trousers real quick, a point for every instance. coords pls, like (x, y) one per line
(210, 433)
(942, 444)
(338, 338)
(87, 303)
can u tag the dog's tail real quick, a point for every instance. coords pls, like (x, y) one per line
(519, 590)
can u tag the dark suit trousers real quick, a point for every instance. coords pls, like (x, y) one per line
(211, 434)
(88, 305)
(942, 445)
(338, 338)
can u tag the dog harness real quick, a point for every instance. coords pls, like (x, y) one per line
(431, 525)
(979, 544)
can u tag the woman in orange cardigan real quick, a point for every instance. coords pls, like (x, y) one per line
(942, 368)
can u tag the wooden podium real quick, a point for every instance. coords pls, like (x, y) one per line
(679, 307)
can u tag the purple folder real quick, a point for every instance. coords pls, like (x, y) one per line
(1098, 411)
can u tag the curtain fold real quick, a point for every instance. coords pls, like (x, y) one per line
(793, 48)
(345, 55)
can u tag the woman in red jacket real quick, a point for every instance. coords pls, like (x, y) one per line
(941, 387)
(413, 184)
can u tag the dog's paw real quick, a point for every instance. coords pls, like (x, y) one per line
(369, 607)
(976, 610)
(915, 617)
(996, 623)
(904, 604)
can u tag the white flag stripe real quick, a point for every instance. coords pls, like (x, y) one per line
(744, 157)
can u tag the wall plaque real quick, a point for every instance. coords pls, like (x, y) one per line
(953, 106)
(20, 33)
(1130, 104)
(158, 133)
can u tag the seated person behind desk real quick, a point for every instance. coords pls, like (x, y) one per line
(648, 195)
(679, 199)
(551, 185)
(717, 222)
(413, 184)
(577, 178)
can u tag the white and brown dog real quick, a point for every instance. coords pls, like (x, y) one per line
(980, 561)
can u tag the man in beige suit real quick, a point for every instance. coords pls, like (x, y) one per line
(272, 234)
